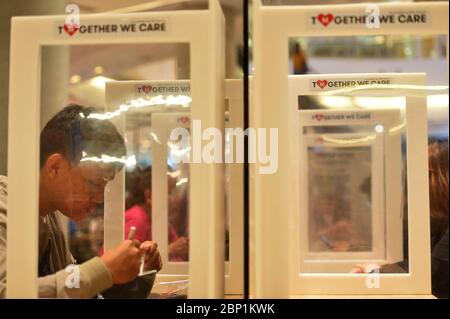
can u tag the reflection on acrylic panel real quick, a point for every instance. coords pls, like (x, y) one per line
(339, 199)
(145, 136)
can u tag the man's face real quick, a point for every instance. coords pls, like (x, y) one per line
(79, 189)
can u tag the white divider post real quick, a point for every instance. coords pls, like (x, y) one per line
(270, 201)
(234, 268)
(206, 220)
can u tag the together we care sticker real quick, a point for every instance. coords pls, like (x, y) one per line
(330, 20)
(112, 28)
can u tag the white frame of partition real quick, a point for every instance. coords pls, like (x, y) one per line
(300, 85)
(272, 28)
(162, 124)
(119, 92)
(204, 30)
(417, 281)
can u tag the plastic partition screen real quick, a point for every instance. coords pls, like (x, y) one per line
(274, 106)
(119, 134)
(156, 122)
(351, 174)
(83, 151)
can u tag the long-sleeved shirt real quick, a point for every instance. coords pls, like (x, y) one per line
(54, 257)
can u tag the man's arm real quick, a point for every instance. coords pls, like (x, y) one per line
(91, 277)
(76, 281)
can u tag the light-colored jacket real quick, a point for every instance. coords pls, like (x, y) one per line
(94, 276)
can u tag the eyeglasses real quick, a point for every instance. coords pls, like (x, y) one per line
(96, 176)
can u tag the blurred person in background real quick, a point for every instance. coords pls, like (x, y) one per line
(438, 185)
(139, 215)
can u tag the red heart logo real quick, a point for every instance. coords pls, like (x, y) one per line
(71, 29)
(183, 120)
(318, 117)
(325, 19)
(322, 83)
(146, 88)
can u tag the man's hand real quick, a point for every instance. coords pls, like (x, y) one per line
(365, 269)
(152, 256)
(179, 248)
(123, 261)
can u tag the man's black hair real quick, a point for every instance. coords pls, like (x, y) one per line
(71, 132)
